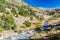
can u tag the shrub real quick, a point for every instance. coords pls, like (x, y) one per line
(39, 17)
(26, 11)
(31, 18)
(51, 13)
(37, 29)
(27, 23)
(14, 11)
(18, 31)
(0, 34)
(37, 24)
(23, 26)
(1, 29)
(8, 22)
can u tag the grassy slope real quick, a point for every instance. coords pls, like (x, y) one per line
(14, 15)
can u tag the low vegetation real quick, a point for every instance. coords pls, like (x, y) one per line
(27, 23)
(7, 21)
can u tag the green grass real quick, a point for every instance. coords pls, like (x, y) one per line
(7, 22)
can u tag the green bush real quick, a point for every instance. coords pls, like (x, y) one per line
(50, 12)
(2, 9)
(18, 31)
(31, 18)
(1, 29)
(14, 11)
(56, 16)
(37, 29)
(1, 22)
(0, 34)
(7, 22)
(27, 23)
(39, 17)
(26, 11)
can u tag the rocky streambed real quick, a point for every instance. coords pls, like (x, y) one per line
(23, 35)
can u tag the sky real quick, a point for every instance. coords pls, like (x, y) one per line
(44, 3)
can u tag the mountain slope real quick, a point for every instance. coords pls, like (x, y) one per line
(17, 16)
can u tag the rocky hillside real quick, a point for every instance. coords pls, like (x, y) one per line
(17, 16)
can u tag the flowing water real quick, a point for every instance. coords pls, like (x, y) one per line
(23, 35)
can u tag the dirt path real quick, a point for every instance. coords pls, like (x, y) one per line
(44, 36)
